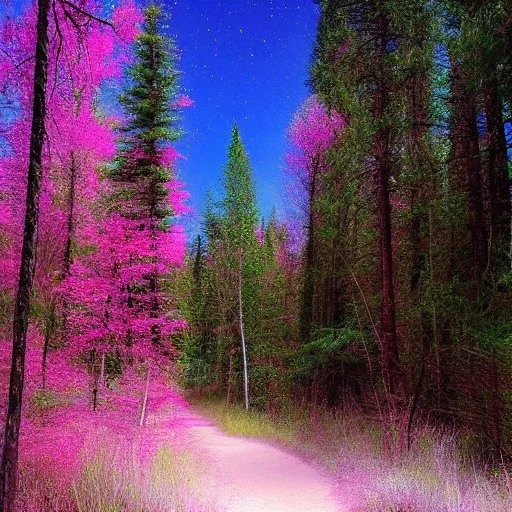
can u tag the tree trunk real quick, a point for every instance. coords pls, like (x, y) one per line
(498, 182)
(9, 467)
(242, 335)
(466, 177)
(66, 262)
(95, 379)
(71, 217)
(230, 371)
(392, 374)
(306, 310)
(102, 372)
(145, 400)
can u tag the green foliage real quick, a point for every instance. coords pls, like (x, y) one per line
(149, 101)
(235, 421)
(152, 108)
(238, 206)
(42, 400)
(330, 346)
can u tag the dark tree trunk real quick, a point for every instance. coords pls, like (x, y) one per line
(48, 332)
(499, 198)
(392, 373)
(9, 468)
(422, 192)
(66, 265)
(306, 310)
(67, 260)
(466, 175)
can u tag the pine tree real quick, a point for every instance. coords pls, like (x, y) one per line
(146, 193)
(152, 106)
(239, 222)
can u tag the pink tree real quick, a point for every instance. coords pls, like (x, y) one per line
(117, 292)
(312, 133)
(58, 40)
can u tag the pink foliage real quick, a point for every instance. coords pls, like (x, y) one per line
(184, 101)
(127, 19)
(84, 60)
(109, 313)
(170, 156)
(312, 132)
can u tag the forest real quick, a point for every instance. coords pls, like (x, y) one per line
(349, 352)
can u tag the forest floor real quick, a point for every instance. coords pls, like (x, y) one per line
(253, 475)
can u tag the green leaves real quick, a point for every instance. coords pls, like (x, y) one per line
(330, 346)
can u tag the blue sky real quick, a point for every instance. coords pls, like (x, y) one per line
(243, 61)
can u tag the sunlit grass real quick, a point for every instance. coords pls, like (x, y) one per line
(234, 420)
(120, 482)
(434, 476)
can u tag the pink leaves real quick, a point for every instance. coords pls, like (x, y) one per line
(177, 197)
(169, 157)
(110, 288)
(184, 102)
(314, 129)
(108, 294)
(127, 19)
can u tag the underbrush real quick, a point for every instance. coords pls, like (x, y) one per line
(75, 459)
(115, 478)
(436, 475)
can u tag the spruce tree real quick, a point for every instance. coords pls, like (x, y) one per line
(239, 222)
(152, 107)
(239, 203)
(143, 173)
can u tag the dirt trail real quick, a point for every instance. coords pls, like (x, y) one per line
(252, 476)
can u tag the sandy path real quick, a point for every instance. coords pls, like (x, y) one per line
(252, 476)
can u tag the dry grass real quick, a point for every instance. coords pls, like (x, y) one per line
(116, 479)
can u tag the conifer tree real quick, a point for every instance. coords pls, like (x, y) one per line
(152, 105)
(239, 222)
(146, 193)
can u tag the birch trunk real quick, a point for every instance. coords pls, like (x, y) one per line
(145, 400)
(242, 334)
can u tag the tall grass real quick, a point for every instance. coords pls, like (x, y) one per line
(436, 475)
(117, 479)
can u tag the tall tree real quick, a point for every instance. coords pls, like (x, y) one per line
(146, 193)
(239, 222)
(68, 20)
(9, 466)
(313, 131)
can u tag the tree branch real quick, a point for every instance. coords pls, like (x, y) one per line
(88, 14)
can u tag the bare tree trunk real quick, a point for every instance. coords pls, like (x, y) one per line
(498, 180)
(142, 420)
(44, 361)
(242, 334)
(95, 379)
(230, 371)
(102, 372)
(306, 306)
(392, 373)
(67, 259)
(71, 217)
(9, 467)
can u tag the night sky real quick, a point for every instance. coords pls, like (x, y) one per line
(243, 61)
